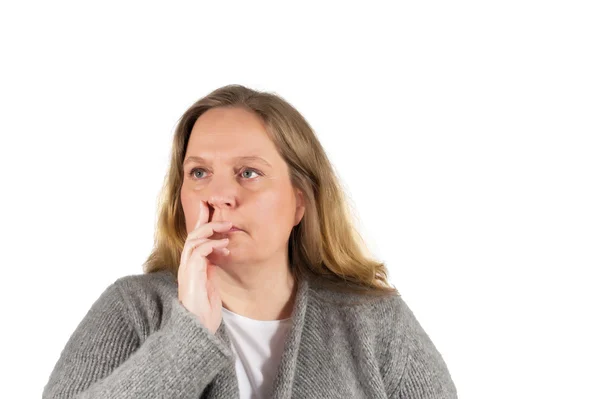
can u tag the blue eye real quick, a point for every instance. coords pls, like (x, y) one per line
(250, 170)
(194, 170)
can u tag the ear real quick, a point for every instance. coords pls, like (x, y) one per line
(300, 207)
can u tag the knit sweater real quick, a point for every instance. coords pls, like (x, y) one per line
(138, 341)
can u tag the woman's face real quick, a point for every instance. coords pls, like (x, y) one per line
(255, 194)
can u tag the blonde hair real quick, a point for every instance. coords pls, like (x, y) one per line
(325, 245)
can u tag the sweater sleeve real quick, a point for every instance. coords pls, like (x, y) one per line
(426, 377)
(425, 374)
(103, 357)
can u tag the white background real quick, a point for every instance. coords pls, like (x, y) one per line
(465, 132)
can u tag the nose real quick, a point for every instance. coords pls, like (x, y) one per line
(219, 205)
(221, 193)
(220, 201)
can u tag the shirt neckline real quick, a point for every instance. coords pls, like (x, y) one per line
(230, 313)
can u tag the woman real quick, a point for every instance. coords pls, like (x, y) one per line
(258, 285)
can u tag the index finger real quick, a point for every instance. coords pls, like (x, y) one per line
(202, 215)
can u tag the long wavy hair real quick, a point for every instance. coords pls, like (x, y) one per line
(325, 246)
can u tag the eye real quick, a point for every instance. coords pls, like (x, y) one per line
(250, 170)
(194, 171)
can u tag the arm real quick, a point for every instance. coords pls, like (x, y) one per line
(103, 357)
(425, 374)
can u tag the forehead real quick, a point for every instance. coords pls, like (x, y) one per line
(228, 133)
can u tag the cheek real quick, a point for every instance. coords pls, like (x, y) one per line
(273, 213)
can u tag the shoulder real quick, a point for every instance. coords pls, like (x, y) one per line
(423, 370)
(385, 315)
(383, 321)
(387, 325)
(147, 299)
(146, 283)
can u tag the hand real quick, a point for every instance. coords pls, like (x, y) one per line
(197, 285)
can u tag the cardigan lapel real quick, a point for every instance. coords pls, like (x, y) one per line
(287, 369)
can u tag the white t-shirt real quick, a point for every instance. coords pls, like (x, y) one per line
(257, 345)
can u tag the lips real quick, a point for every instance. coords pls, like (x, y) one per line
(225, 234)
(233, 228)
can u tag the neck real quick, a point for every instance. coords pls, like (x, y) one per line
(265, 292)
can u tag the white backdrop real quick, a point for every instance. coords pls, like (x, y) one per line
(465, 133)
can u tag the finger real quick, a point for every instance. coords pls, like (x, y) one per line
(197, 241)
(202, 215)
(188, 248)
(222, 251)
(205, 248)
(192, 243)
(208, 229)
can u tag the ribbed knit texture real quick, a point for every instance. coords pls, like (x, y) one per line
(138, 341)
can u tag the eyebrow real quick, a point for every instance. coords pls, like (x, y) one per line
(243, 158)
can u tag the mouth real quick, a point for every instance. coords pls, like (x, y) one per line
(225, 234)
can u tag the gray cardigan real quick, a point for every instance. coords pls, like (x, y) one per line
(138, 341)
